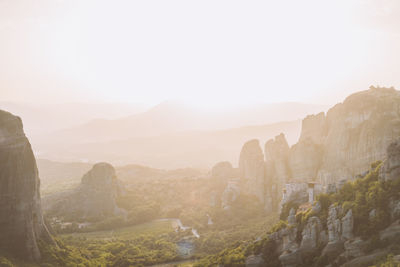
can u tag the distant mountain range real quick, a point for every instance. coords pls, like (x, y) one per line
(169, 117)
(169, 135)
(197, 149)
(40, 119)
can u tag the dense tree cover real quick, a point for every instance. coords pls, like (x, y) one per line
(388, 261)
(362, 195)
(144, 201)
(229, 257)
(135, 216)
(142, 251)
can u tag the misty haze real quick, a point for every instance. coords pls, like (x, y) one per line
(199, 133)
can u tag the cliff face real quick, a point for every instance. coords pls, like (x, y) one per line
(277, 170)
(347, 228)
(359, 131)
(21, 220)
(94, 198)
(251, 169)
(331, 148)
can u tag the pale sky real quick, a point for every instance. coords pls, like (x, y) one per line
(206, 53)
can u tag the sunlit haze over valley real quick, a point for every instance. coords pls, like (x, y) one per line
(199, 133)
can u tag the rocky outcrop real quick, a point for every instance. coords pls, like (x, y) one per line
(255, 261)
(314, 128)
(292, 217)
(276, 170)
(251, 169)
(223, 170)
(229, 195)
(305, 156)
(331, 147)
(305, 161)
(392, 164)
(392, 232)
(347, 226)
(358, 132)
(21, 220)
(93, 199)
(330, 235)
(312, 235)
(394, 209)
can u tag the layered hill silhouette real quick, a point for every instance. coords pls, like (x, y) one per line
(174, 129)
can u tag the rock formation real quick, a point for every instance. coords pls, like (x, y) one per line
(331, 148)
(21, 220)
(222, 170)
(229, 195)
(312, 235)
(277, 171)
(359, 131)
(392, 164)
(93, 199)
(331, 234)
(251, 169)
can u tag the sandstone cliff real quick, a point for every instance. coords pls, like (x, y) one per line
(358, 133)
(93, 199)
(356, 226)
(277, 171)
(331, 147)
(21, 220)
(251, 169)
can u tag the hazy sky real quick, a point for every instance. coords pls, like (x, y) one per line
(203, 52)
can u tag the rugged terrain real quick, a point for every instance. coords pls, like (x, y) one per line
(356, 226)
(332, 147)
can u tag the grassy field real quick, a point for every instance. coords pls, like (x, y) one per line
(153, 228)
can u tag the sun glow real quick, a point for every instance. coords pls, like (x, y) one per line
(208, 53)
